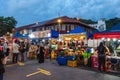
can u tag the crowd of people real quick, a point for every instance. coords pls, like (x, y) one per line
(20, 51)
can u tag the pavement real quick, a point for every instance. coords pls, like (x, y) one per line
(50, 70)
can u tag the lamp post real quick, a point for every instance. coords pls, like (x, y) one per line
(59, 21)
(59, 27)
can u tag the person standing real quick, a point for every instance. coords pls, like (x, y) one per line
(15, 49)
(50, 50)
(6, 49)
(22, 51)
(101, 56)
(2, 62)
(41, 54)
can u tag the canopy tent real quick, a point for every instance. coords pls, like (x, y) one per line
(89, 35)
(115, 28)
(107, 35)
(76, 34)
(25, 36)
(113, 32)
(17, 35)
(79, 30)
(54, 34)
(76, 30)
(95, 31)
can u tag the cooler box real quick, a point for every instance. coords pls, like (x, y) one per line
(72, 63)
(61, 60)
(94, 60)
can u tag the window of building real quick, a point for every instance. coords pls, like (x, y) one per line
(63, 27)
(52, 27)
(69, 28)
(46, 28)
(56, 27)
(43, 28)
(30, 30)
(40, 28)
(37, 29)
(72, 27)
(49, 27)
(34, 29)
(59, 27)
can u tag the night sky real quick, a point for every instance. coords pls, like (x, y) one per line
(30, 11)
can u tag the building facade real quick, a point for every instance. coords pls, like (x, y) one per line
(100, 26)
(65, 24)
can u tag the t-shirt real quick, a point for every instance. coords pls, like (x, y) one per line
(15, 48)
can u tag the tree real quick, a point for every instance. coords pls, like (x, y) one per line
(87, 21)
(109, 23)
(112, 22)
(7, 24)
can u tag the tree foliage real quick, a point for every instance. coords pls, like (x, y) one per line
(112, 22)
(7, 24)
(109, 23)
(87, 21)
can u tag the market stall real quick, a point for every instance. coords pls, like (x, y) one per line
(75, 47)
(111, 38)
(76, 36)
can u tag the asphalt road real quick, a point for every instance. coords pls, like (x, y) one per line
(50, 70)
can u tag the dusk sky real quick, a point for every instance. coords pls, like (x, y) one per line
(30, 11)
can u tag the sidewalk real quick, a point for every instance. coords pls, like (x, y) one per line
(110, 72)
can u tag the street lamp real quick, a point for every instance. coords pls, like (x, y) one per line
(59, 21)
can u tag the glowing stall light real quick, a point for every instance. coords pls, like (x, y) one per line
(49, 38)
(62, 41)
(92, 50)
(114, 39)
(108, 39)
(49, 35)
(67, 31)
(118, 40)
(103, 38)
(59, 40)
(32, 36)
(43, 40)
(81, 37)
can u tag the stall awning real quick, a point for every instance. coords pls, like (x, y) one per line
(76, 30)
(107, 35)
(115, 28)
(17, 35)
(54, 34)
